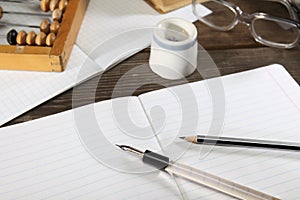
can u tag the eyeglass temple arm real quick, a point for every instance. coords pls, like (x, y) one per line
(295, 7)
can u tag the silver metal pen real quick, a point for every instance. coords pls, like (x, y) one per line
(228, 187)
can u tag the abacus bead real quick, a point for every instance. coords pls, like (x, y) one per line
(21, 38)
(30, 38)
(63, 5)
(40, 39)
(44, 4)
(53, 4)
(56, 15)
(12, 37)
(1, 12)
(54, 27)
(45, 26)
(50, 39)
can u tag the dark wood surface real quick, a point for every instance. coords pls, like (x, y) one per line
(232, 52)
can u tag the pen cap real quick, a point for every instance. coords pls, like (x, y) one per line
(174, 49)
(156, 160)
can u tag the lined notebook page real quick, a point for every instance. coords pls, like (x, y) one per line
(263, 103)
(21, 91)
(45, 158)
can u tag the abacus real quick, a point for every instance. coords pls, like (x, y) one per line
(46, 46)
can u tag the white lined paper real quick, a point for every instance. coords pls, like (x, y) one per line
(46, 159)
(261, 103)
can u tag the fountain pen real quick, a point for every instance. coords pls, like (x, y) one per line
(220, 184)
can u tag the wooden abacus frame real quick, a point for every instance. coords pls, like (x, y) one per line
(51, 59)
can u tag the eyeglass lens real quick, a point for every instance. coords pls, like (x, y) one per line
(216, 13)
(275, 31)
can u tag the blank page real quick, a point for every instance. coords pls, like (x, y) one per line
(263, 103)
(57, 157)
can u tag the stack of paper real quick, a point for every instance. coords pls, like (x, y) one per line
(72, 155)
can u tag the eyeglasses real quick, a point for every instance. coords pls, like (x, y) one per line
(279, 28)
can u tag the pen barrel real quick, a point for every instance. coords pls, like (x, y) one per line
(217, 183)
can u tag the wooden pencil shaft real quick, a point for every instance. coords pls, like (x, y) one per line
(244, 142)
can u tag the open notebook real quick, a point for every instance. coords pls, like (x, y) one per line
(58, 157)
(21, 91)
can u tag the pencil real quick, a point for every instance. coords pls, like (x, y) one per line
(241, 142)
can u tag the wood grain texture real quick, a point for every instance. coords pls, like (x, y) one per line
(228, 61)
(232, 52)
(67, 32)
(164, 6)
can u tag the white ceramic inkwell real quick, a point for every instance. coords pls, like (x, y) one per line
(174, 49)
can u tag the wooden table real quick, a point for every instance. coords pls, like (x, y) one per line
(232, 51)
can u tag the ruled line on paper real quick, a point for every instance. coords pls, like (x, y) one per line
(255, 108)
(52, 162)
(283, 90)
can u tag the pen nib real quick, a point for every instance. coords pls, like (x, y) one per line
(121, 147)
(130, 149)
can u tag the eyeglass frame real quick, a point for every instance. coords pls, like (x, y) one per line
(248, 19)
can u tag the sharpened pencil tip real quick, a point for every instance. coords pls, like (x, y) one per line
(192, 139)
